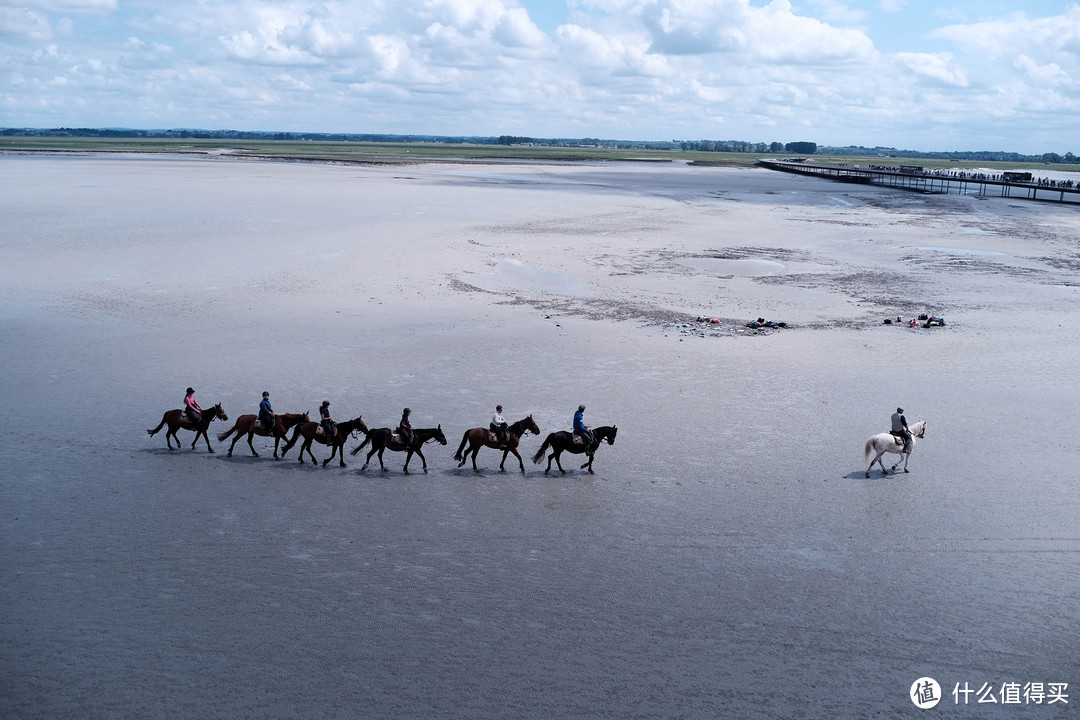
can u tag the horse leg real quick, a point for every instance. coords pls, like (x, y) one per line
(370, 453)
(408, 457)
(557, 461)
(250, 444)
(168, 442)
(207, 439)
(333, 452)
(502, 465)
(475, 450)
(422, 459)
(341, 452)
(381, 451)
(520, 462)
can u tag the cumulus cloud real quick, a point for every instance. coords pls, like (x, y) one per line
(615, 68)
(61, 5)
(24, 22)
(934, 66)
(773, 32)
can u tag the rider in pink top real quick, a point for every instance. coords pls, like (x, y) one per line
(194, 410)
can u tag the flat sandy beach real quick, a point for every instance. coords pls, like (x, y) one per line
(727, 559)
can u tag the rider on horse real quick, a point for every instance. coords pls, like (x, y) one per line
(900, 428)
(267, 416)
(499, 427)
(581, 429)
(405, 427)
(328, 425)
(191, 407)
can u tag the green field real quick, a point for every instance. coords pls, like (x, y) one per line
(364, 152)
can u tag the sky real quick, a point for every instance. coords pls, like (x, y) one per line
(909, 74)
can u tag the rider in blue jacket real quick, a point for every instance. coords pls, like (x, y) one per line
(581, 429)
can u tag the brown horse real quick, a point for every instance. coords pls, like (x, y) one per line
(384, 439)
(249, 425)
(311, 433)
(176, 419)
(479, 437)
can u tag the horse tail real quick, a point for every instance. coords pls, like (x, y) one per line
(464, 441)
(869, 449)
(154, 431)
(360, 447)
(221, 436)
(539, 456)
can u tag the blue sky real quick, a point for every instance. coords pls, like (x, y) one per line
(911, 74)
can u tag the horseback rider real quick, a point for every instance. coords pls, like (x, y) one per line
(328, 425)
(581, 429)
(900, 428)
(267, 416)
(192, 408)
(405, 427)
(499, 427)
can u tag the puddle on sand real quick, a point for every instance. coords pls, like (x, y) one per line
(959, 251)
(515, 276)
(749, 267)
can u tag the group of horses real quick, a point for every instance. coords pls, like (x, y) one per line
(381, 439)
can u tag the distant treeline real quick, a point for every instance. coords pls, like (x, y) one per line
(736, 146)
(988, 155)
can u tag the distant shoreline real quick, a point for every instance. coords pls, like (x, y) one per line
(371, 153)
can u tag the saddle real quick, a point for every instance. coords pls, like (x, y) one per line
(493, 437)
(395, 437)
(899, 438)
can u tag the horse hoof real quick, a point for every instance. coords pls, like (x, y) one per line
(868, 475)
(906, 470)
(209, 449)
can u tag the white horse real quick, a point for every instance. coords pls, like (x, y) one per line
(887, 442)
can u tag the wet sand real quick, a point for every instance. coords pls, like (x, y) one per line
(727, 559)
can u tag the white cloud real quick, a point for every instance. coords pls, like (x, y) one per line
(613, 68)
(24, 22)
(934, 66)
(1050, 73)
(61, 5)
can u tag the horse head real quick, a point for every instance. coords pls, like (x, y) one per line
(611, 436)
(922, 428)
(438, 435)
(358, 425)
(219, 413)
(528, 424)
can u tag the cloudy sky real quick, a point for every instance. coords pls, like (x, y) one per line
(912, 74)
